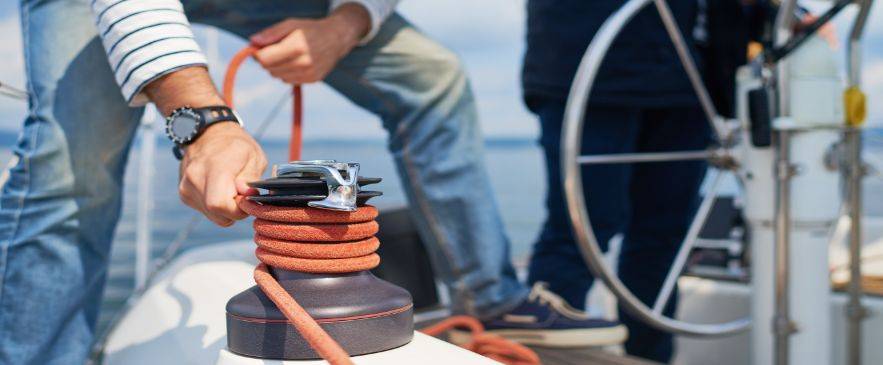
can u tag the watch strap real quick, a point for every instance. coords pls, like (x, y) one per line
(215, 114)
(178, 151)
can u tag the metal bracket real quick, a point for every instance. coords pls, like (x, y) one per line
(784, 326)
(723, 158)
(342, 190)
(856, 312)
(835, 158)
(786, 170)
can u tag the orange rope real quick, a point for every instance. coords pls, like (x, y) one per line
(297, 239)
(486, 344)
(294, 146)
(308, 328)
(318, 339)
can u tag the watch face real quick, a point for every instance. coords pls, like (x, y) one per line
(183, 125)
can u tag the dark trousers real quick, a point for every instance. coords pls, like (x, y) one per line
(651, 204)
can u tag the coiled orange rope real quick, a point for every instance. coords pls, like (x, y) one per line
(311, 240)
(297, 239)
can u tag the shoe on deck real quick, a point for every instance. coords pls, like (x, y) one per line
(545, 319)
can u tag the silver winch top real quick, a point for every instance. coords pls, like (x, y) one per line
(341, 178)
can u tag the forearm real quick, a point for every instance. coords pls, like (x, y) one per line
(190, 86)
(353, 22)
(376, 11)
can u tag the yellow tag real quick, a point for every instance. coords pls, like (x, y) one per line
(854, 106)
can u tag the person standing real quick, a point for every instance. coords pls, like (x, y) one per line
(641, 101)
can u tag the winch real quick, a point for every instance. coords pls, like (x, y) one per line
(315, 236)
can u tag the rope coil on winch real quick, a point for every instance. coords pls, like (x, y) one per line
(314, 240)
(311, 240)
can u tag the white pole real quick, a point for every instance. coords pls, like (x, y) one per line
(815, 203)
(143, 215)
(756, 170)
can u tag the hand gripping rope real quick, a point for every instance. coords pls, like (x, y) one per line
(311, 240)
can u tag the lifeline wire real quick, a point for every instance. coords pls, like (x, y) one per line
(12, 92)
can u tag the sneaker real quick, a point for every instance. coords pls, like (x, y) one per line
(545, 319)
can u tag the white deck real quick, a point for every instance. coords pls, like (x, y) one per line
(181, 318)
(710, 301)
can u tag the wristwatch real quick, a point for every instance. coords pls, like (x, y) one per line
(186, 124)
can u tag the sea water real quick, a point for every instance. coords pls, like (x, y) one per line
(515, 167)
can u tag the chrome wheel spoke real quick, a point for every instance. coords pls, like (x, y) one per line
(671, 26)
(689, 241)
(610, 158)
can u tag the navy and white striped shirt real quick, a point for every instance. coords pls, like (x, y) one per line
(148, 39)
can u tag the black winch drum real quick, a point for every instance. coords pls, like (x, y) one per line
(363, 313)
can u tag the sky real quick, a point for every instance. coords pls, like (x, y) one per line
(487, 35)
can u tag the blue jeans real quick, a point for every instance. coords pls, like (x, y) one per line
(62, 201)
(651, 204)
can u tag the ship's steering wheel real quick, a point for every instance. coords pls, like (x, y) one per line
(571, 162)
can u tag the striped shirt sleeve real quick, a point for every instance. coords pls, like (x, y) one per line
(379, 10)
(145, 40)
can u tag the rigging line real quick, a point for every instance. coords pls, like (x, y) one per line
(12, 92)
(262, 128)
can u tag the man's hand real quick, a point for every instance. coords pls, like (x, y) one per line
(300, 51)
(223, 158)
(216, 168)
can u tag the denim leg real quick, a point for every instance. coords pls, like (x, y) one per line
(664, 199)
(556, 259)
(60, 205)
(422, 94)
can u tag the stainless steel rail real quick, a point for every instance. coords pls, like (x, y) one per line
(571, 162)
(781, 33)
(855, 312)
(854, 173)
(645, 157)
(854, 47)
(782, 325)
